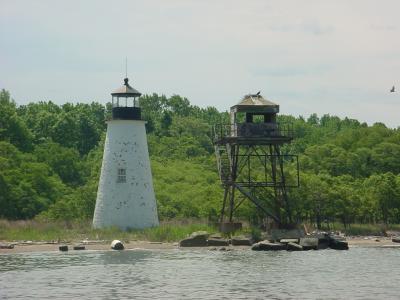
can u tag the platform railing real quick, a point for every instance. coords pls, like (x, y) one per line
(253, 130)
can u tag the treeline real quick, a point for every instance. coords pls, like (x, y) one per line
(50, 158)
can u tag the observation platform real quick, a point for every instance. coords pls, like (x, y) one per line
(253, 133)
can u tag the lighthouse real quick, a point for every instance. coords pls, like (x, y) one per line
(125, 196)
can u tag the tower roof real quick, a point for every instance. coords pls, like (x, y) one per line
(126, 91)
(255, 103)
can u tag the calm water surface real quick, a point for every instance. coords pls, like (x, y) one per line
(360, 273)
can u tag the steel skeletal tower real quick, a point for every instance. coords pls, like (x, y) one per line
(250, 161)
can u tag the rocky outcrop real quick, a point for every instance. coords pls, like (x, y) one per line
(314, 242)
(294, 247)
(268, 246)
(338, 244)
(309, 243)
(217, 242)
(287, 241)
(196, 239)
(241, 241)
(279, 234)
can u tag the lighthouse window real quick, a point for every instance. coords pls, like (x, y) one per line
(121, 175)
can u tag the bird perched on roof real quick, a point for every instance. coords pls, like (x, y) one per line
(392, 90)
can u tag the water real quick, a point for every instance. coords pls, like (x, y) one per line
(360, 273)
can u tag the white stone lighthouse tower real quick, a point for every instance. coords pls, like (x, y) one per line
(125, 197)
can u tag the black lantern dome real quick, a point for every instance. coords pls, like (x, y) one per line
(125, 105)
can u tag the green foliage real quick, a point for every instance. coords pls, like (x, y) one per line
(12, 127)
(64, 161)
(50, 159)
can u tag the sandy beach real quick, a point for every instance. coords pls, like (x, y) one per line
(42, 247)
(21, 247)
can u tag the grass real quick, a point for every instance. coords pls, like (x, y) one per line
(31, 230)
(171, 231)
(363, 229)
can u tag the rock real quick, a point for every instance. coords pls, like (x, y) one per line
(279, 234)
(200, 234)
(117, 245)
(268, 246)
(338, 244)
(196, 239)
(294, 247)
(63, 248)
(215, 236)
(339, 237)
(396, 240)
(309, 243)
(217, 242)
(224, 249)
(241, 241)
(193, 242)
(6, 246)
(324, 241)
(79, 247)
(287, 241)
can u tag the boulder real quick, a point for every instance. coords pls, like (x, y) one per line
(63, 248)
(396, 240)
(117, 245)
(309, 243)
(79, 247)
(294, 247)
(241, 241)
(217, 242)
(287, 241)
(268, 246)
(279, 234)
(323, 241)
(200, 234)
(338, 244)
(196, 239)
(215, 236)
(6, 246)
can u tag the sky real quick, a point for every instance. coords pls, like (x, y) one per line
(327, 57)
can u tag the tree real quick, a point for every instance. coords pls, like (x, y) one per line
(385, 157)
(63, 161)
(12, 127)
(383, 188)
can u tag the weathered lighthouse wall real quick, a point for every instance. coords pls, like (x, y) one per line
(125, 196)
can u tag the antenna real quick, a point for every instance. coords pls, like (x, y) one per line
(126, 67)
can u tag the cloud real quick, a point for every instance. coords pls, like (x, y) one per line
(310, 56)
(292, 71)
(306, 26)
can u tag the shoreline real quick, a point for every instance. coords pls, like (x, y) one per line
(26, 247)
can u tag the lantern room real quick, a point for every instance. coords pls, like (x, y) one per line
(125, 103)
